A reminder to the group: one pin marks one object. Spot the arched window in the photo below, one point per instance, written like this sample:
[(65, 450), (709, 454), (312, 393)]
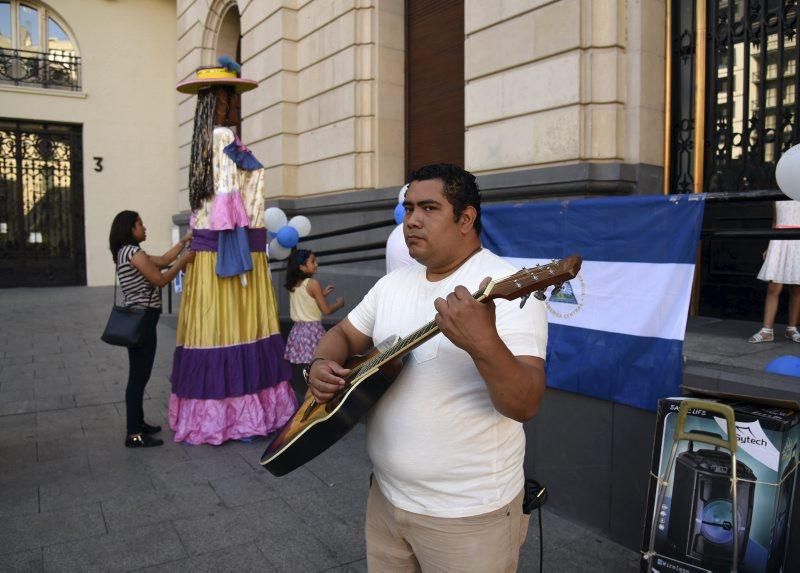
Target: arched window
[(35, 47), (229, 37)]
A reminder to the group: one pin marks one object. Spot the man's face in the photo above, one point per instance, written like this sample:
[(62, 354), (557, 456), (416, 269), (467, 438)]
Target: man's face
[(431, 232)]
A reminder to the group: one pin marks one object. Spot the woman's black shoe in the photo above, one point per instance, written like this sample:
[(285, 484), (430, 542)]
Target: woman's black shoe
[(142, 441), (148, 429)]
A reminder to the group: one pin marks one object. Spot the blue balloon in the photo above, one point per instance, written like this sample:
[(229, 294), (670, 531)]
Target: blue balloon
[(288, 236), (399, 214), (271, 235), (786, 365)]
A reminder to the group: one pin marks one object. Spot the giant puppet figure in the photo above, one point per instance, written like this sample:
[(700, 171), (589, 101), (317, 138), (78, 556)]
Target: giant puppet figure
[(229, 378)]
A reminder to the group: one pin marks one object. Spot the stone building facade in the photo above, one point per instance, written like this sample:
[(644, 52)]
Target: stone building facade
[(547, 84), (540, 99), (559, 98)]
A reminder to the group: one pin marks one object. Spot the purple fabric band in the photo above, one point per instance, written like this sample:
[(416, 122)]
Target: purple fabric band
[(205, 240), (229, 371)]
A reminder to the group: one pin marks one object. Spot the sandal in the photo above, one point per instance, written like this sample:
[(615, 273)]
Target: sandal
[(792, 334), (763, 335)]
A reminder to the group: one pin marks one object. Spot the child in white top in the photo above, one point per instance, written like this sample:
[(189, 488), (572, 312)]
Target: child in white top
[(307, 304), (781, 267)]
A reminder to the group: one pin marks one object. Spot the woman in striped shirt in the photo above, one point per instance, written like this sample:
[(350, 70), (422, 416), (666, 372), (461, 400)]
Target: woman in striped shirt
[(140, 278)]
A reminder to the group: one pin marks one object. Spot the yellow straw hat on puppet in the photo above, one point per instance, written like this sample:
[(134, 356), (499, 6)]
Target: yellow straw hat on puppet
[(226, 74)]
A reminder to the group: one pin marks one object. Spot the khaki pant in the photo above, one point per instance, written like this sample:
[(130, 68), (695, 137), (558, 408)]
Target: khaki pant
[(398, 540)]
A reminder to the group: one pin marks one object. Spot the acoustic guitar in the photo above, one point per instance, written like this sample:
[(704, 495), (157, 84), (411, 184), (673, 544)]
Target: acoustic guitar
[(316, 427)]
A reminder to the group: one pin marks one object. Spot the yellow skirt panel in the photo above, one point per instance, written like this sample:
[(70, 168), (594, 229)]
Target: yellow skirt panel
[(220, 311)]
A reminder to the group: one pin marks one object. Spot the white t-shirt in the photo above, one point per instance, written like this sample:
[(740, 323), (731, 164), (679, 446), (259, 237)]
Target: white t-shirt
[(438, 445)]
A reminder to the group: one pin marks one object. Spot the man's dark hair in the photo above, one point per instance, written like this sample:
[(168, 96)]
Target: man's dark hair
[(460, 188), (121, 233)]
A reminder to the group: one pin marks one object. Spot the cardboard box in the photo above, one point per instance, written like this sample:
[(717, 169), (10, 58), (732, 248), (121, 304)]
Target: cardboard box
[(694, 525)]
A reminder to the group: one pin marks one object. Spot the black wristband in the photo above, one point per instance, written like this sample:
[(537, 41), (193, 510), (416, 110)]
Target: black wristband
[(307, 369)]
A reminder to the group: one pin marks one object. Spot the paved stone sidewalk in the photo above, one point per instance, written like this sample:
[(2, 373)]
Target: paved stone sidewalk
[(72, 498)]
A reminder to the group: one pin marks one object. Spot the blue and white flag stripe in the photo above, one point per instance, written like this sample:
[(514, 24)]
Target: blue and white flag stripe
[(616, 331), (631, 370), (644, 229), (626, 292)]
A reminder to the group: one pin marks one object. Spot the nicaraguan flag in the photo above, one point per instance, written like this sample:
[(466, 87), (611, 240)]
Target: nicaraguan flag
[(616, 331)]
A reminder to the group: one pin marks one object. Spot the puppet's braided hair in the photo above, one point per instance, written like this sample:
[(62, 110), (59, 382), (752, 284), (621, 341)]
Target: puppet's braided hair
[(201, 164)]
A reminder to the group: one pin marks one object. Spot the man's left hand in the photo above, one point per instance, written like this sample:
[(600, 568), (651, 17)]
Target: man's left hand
[(467, 323)]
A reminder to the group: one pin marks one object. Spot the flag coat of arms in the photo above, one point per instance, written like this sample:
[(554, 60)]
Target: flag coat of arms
[(615, 331)]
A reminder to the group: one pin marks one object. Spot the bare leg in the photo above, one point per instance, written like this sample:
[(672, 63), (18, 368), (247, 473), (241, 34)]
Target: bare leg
[(771, 303), (794, 305), (766, 334), (794, 310)]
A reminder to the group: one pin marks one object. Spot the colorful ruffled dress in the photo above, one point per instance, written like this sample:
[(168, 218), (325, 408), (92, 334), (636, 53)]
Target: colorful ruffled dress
[(229, 378)]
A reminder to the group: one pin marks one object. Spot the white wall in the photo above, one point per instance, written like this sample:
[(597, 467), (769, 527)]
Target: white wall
[(127, 110)]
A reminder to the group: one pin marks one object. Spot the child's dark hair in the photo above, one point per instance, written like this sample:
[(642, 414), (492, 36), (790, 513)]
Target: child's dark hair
[(121, 233), (294, 274)]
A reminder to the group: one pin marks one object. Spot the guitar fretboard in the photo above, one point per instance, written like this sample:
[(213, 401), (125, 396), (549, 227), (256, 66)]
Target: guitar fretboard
[(523, 281), (402, 346)]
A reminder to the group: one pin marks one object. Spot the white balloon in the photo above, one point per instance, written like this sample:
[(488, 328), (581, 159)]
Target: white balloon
[(301, 223), (787, 173), (396, 250), (274, 219), (277, 252), (402, 196)]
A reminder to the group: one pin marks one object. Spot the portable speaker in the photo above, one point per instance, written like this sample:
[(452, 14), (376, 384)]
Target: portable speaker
[(701, 512)]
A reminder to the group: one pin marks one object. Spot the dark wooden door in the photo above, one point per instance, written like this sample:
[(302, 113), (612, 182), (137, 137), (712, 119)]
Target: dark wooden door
[(434, 82)]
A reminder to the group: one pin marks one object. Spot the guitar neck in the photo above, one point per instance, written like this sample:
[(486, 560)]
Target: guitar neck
[(406, 344)]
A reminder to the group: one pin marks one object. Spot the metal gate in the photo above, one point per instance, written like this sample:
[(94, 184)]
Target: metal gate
[(41, 204), (732, 111)]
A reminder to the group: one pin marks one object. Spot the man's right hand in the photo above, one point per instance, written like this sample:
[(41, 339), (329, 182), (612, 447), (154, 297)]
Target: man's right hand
[(326, 379)]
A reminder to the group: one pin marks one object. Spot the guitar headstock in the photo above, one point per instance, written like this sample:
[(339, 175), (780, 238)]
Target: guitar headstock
[(536, 279)]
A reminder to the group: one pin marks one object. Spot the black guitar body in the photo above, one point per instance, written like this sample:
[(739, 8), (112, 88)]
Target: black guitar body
[(318, 437), (315, 427)]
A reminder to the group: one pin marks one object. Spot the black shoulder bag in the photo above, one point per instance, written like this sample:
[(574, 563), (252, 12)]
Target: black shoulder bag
[(126, 325)]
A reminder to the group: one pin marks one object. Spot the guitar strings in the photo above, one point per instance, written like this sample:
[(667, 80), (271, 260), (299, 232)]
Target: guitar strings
[(422, 332), (431, 328)]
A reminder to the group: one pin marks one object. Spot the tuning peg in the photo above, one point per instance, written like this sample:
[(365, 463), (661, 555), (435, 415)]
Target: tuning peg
[(523, 300), (556, 290), (539, 295)]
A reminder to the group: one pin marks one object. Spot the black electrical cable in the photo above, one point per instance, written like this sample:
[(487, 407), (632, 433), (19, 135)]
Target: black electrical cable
[(541, 540), (535, 498)]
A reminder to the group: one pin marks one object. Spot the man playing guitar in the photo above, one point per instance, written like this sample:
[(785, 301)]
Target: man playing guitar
[(446, 439)]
